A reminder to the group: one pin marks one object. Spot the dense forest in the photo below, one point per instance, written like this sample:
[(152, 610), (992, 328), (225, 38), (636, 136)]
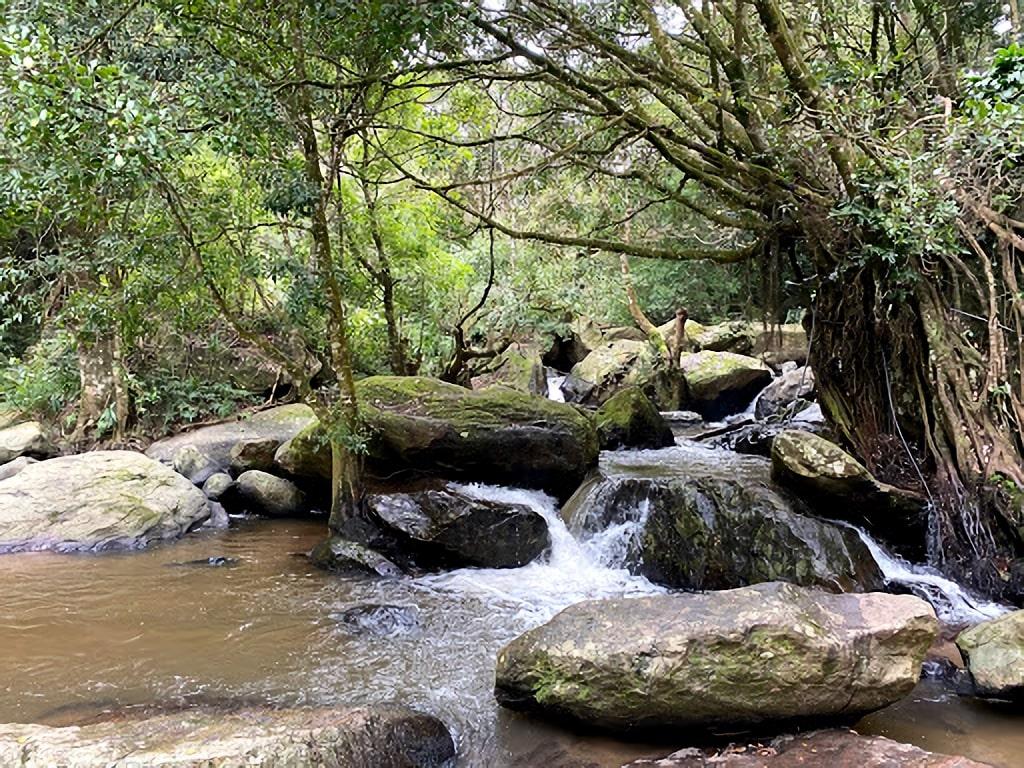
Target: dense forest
[(210, 209)]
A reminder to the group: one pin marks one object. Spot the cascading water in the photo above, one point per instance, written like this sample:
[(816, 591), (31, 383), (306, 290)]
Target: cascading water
[(555, 381)]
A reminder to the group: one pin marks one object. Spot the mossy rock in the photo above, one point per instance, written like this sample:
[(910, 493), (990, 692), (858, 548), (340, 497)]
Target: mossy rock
[(519, 368), (421, 426), (722, 383), (617, 365), (743, 658), (630, 420)]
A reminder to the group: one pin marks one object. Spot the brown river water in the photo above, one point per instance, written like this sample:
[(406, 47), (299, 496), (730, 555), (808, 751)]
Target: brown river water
[(85, 636)]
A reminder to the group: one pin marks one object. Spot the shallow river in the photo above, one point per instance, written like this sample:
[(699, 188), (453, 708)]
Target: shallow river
[(85, 635)]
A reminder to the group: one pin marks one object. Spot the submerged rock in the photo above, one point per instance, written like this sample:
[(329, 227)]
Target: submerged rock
[(836, 485), (772, 653), (630, 420), (25, 439), (723, 383), (994, 653), (421, 426), (382, 620), (96, 501), (381, 736), (266, 494), (835, 748), (446, 528), (344, 556)]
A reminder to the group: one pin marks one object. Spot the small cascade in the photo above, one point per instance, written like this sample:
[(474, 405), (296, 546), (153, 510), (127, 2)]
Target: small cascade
[(573, 570), (953, 604), (555, 381)]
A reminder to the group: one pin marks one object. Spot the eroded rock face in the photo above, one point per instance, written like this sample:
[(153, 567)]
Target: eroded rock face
[(96, 501), (722, 383), (994, 652), (835, 749), (772, 653), (630, 420), (384, 736), (445, 528), (25, 439), (836, 485), (422, 426)]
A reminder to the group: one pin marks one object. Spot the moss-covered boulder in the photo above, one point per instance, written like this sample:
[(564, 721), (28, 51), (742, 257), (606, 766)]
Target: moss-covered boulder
[(266, 494), (722, 383), (424, 427), (772, 653), (25, 439), (835, 485), (994, 653), (520, 368), (705, 527), (617, 365), (97, 501), (630, 420), (380, 736)]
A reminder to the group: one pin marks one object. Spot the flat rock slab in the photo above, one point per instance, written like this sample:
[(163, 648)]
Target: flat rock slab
[(772, 653), (97, 501), (369, 737), (216, 441), (827, 749)]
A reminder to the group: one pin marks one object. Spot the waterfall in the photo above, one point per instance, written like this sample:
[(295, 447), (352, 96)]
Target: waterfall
[(953, 604)]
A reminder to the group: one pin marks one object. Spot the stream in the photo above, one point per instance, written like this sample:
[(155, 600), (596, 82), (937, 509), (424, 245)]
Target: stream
[(240, 616)]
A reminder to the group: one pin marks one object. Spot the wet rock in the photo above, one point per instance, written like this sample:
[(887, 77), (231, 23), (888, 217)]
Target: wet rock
[(994, 654), (253, 453), (96, 501), (25, 439), (382, 620), (11, 468), (790, 392), (707, 532), (629, 420), (217, 561), (739, 659), (448, 529), (344, 556), (192, 463), (216, 441), (836, 485), (422, 426), (382, 736), (218, 519), (266, 494), (835, 748), (722, 383)]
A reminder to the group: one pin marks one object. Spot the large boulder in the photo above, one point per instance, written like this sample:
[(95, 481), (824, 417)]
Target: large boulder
[(266, 494), (789, 393), (994, 653), (382, 736), (25, 439), (216, 441), (450, 529), (834, 748), (421, 426), (519, 368), (630, 420), (254, 453), (772, 653), (773, 345), (836, 485), (616, 365), (706, 527), (96, 501), (722, 383)]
